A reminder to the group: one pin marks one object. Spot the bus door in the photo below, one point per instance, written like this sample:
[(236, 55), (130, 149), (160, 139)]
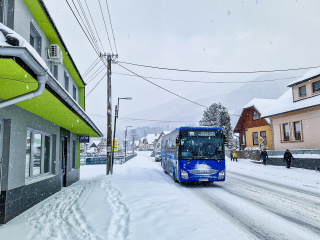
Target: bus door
[(1, 147)]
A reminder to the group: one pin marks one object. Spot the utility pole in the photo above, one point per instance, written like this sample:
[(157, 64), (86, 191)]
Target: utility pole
[(109, 118)]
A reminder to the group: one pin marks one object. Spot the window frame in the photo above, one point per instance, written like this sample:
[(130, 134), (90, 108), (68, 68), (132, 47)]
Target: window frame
[(255, 115), (66, 81), (313, 88), (74, 92), (30, 166), (255, 138), (35, 39), (7, 15), (304, 95), (295, 132), (284, 137)]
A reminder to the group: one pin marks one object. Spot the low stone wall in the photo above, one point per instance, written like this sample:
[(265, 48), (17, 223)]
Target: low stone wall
[(252, 154), (308, 159)]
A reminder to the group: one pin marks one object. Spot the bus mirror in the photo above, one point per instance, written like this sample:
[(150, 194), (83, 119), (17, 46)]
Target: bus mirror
[(178, 141)]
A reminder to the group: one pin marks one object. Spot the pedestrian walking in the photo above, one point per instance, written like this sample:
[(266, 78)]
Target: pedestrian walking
[(264, 156), (235, 156), (288, 158), (231, 154)]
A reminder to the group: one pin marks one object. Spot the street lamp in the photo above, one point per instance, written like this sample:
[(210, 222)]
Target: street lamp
[(114, 131), (125, 142)]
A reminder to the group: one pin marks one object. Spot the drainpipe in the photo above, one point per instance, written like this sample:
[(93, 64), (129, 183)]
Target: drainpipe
[(27, 58), (29, 95)]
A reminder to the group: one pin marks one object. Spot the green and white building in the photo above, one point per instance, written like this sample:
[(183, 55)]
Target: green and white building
[(42, 108)]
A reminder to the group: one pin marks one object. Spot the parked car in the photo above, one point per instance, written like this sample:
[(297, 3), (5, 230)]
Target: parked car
[(157, 157)]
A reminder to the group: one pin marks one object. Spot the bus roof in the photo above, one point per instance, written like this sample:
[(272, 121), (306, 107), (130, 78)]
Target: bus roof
[(199, 127)]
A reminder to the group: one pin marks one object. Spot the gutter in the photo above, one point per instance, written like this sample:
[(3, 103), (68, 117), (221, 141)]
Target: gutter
[(43, 77), (35, 67)]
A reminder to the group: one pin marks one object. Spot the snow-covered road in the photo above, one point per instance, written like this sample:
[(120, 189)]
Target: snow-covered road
[(141, 202)]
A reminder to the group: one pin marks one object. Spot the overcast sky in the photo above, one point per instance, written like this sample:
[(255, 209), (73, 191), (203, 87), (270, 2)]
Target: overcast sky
[(199, 35)]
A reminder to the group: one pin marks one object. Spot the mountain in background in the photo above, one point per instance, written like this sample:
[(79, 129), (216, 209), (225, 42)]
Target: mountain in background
[(190, 114)]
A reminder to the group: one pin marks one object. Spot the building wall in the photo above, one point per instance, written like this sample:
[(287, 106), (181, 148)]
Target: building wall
[(310, 122), (249, 139), (14, 166), (309, 89), (22, 20)]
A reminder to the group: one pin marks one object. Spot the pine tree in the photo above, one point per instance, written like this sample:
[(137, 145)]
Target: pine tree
[(217, 116)]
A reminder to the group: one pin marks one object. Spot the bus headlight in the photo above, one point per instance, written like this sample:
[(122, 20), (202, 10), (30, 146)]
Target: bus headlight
[(221, 174), (184, 174)]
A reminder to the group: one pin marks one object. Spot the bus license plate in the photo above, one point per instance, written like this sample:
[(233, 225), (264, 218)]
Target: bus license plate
[(203, 179)]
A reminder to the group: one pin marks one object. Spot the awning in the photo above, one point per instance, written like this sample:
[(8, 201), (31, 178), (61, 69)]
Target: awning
[(15, 81)]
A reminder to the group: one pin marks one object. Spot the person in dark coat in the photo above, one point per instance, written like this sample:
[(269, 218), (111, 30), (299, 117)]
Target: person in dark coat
[(288, 157), (231, 156), (264, 156)]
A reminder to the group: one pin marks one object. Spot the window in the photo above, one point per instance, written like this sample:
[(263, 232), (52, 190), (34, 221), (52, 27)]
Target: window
[(255, 140), (263, 134), (54, 71), (297, 130), (66, 81), (38, 153), (7, 12), (303, 91), (74, 92), (316, 86), (255, 115), (285, 128), (35, 39), (243, 139), (28, 154)]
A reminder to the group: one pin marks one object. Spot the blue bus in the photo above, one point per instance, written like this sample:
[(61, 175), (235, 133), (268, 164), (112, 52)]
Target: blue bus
[(194, 154)]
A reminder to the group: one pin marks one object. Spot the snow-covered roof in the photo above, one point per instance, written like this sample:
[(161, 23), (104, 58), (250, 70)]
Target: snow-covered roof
[(285, 104), (7, 33), (312, 73), (261, 105), (151, 138)]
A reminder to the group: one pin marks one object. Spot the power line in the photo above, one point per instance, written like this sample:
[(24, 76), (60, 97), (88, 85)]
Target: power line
[(210, 82), (96, 85), (163, 87), (115, 45), (95, 74), (92, 38), (89, 25), (82, 27), (105, 25), (94, 25), (205, 71), (89, 69)]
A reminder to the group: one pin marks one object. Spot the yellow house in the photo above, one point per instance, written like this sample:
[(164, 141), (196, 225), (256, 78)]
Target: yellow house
[(254, 131)]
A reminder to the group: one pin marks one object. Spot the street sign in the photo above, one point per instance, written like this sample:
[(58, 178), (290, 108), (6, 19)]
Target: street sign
[(84, 139), (115, 146), (261, 139)]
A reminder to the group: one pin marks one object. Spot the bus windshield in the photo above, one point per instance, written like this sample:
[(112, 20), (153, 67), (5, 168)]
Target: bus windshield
[(201, 144)]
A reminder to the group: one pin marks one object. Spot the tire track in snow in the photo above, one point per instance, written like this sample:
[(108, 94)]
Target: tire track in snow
[(119, 223), (61, 217)]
